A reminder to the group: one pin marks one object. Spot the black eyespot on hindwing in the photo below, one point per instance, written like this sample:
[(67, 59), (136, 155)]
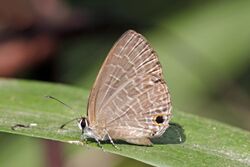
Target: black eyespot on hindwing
[(159, 119)]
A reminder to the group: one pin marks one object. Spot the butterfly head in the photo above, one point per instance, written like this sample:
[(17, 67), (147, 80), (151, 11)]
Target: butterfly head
[(87, 132), (83, 124)]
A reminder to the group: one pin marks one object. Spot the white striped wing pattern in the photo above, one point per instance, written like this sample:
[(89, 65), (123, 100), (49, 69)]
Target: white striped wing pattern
[(130, 99)]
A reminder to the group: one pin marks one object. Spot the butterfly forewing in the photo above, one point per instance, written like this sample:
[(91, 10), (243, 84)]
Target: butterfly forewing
[(130, 98), (100, 88)]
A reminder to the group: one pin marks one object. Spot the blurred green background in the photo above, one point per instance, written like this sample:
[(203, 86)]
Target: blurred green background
[(203, 47)]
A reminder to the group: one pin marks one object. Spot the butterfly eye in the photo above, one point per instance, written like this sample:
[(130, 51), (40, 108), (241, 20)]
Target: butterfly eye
[(159, 119), (83, 123)]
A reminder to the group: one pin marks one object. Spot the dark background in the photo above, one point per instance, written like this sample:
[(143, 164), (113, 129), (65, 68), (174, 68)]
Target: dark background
[(203, 48)]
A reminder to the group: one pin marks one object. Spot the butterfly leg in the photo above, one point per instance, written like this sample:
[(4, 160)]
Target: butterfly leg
[(99, 143), (84, 139), (111, 141)]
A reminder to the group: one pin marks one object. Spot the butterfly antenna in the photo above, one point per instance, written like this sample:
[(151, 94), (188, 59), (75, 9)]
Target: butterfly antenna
[(63, 125), (66, 105)]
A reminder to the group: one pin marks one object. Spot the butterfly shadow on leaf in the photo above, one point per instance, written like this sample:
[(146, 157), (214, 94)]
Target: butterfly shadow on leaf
[(173, 135)]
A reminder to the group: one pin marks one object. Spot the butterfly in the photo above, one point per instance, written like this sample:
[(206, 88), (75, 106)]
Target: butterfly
[(129, 100)]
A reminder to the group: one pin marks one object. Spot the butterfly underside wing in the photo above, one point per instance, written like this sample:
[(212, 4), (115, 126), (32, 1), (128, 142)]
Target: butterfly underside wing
[(130, 100)]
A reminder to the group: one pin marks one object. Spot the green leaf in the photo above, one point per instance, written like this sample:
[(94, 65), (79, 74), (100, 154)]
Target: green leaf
[(202, 143)]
